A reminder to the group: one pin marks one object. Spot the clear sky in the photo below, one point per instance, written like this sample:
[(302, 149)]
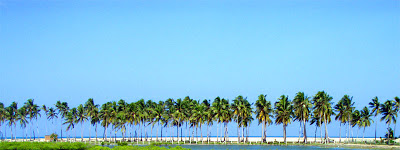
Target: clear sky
[(110, 50)]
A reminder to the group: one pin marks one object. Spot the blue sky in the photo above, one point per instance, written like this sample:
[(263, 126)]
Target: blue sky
[(111, 50)]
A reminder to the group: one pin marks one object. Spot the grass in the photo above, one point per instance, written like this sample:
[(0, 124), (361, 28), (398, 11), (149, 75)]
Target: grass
[(75, 146)]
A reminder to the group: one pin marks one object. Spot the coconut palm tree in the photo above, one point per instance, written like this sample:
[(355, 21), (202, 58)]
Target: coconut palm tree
[(322, 107), (158, 115), (208, 116), (340, 116), (63, 110), (22, 118), (217, 111), (264, 114), (375, 105), (11, 116), (198, 117), (397, 109), (283, 113), (91, 110), (2, 117), (105, 117), (366, 119), (317, 121), (33, 111), (388, 112), (142, 116), (348, 111), (94, 118), (356, 119), (302, 111), (81, 117), (70, 120), (170, 105), (178, 116), (51, 115)]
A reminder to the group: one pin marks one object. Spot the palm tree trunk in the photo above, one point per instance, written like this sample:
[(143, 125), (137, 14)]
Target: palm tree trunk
[(12, 137), (30, 135), (238, 133), (105, 132), (177, 132), (90, 129), (197, 137), (284, 133), (376, 123), (96, 131), (157, 131), (395, 124), (326, 131), (201, 134), (299, 130), (151, 133), (243, 134), (340, 132), (262, 133), (363, 134), (315, 134), (81, 131), (304, 131)]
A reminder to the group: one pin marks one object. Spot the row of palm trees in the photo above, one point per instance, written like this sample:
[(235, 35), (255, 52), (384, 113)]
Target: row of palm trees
[(192, 115)]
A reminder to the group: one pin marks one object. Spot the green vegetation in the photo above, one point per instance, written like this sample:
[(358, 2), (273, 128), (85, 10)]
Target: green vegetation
[(75, 146), (185, 117)]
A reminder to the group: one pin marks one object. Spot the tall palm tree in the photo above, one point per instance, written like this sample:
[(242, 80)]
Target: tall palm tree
[(356, 119), (63, 110), (11, 116), (70, 120), (217, 111), (94, 118), (91, 110), (322, 106), (283, 113), (388, 112), (2, 117), (208, 116), (375, 105), (158, 115), (302, 111), (33, 111), (348, 111), (51, 115), (178, 116), (397, 109), (340, 116), (81, 117), (317, 121), (198, 117), (142, 116), (45, 110), (264, 114), (22, 118), (105, 117), (366, 119)]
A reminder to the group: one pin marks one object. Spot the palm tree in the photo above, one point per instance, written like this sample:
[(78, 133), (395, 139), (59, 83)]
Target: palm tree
[(141, 115), (33, 111), (94, 118), (356, 119), (21, 117), (45, 110), (11, 116), (2, 117), (63, 110), (81, 117), (70, 120), (91, 110), (348, 111), (374, 105), (302, 111), (366, 119), (198, 117), (178, 116), (105, 117), (264, 114), (317, 121), (51, 115), (283, 113), (397, 109), (388, 112), (340, 116), (322, 107), (217, 108), (158, 115), (208, 116)]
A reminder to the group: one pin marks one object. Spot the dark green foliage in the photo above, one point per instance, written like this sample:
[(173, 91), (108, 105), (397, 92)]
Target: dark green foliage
[(54, 137)]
